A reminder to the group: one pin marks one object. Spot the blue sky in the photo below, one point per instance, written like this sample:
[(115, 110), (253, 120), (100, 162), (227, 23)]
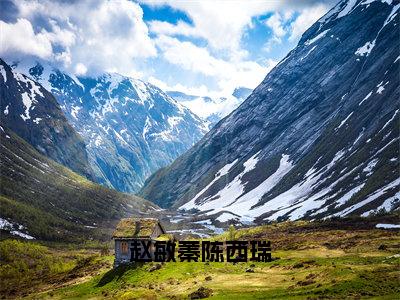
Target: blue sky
[(198, 47)]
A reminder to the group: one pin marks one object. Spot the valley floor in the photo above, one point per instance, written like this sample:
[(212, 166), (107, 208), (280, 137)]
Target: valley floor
[(328, 261)]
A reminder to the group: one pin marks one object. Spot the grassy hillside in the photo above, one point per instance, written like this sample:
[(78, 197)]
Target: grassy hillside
[(50, 202), (311, 261)]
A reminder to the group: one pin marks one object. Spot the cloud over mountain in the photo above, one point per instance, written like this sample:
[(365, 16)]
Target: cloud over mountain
[(191, 44)]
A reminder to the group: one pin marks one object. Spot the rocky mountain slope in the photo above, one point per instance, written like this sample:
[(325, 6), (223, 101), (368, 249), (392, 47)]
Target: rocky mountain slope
[(318, 137), (212, 109), (34, 114), (41, 199), (131, 128)]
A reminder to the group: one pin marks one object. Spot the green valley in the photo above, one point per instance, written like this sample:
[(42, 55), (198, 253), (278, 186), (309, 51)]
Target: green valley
[(311, 260)]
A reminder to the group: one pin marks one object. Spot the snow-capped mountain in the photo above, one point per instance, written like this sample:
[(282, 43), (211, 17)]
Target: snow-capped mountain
[(318, 137), (131, 128), (212, 109), (33, 113)]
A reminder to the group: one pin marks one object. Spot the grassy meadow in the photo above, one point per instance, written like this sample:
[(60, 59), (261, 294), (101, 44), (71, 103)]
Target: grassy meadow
[(311, 261)]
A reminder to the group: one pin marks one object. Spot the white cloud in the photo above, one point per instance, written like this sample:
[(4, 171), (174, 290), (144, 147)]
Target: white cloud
[(279, 24), (275, 22), (113, 36), (221, 23), (80, 69), (190, 57), (306, 18), (193, 90), (105, 35), (228, 74), (19, 38), (181, 28), (59, 36)]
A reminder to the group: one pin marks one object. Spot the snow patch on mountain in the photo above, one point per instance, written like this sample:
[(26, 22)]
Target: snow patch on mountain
[(344, 121), (371, 198), (392, 14), (316, 38), (387, 226), (366, 97), (28, 98), (381, 87), (37, 120), (15, 229), (224, 217), (389, 121), (223, 171), (3, 73), (346, 197), (371, 165), (225, 196), (230, 198), (308, 53), (347, 8), (366, 49)]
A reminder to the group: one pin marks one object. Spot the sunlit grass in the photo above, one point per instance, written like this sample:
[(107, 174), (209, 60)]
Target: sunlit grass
[(322, 263)]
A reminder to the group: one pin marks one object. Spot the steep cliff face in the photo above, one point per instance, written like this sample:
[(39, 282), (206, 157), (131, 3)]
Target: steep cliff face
[(131, 128), (318, 137), (33, 113)]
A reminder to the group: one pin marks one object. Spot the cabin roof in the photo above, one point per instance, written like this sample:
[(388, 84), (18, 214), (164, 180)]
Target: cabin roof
[(165, 237), (136, 228)]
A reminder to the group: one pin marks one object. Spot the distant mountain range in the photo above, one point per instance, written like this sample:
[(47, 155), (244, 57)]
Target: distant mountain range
[(129, 128), (319, 137), (212, 109)]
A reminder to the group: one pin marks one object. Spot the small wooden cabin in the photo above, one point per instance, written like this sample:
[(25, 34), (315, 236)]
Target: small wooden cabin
[(136, 229)]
